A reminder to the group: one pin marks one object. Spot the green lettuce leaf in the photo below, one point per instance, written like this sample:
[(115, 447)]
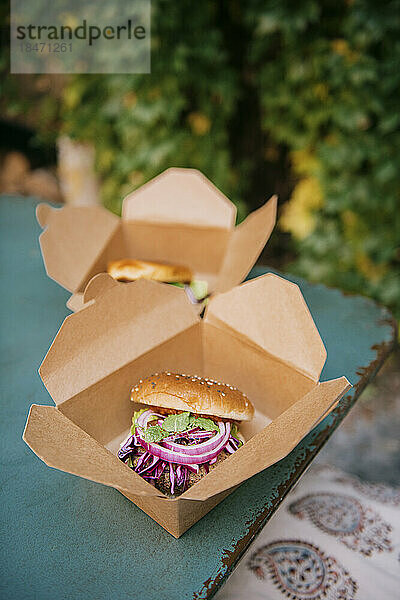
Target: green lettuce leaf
[(178, 422), (154, 434), (206, 424), (136, 414)]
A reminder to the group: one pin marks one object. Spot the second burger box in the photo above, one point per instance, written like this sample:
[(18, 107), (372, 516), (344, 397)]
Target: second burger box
[(259, 337), (179, 217)]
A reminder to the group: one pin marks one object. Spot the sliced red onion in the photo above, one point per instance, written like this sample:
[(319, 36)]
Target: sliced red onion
[(233, 443), (143, 419), (236, 442), (178, 434), (194, 434), (186, 459), (202, 448), (193, 468), (198, 449), (229, 448), (200, 437), (172, 477)]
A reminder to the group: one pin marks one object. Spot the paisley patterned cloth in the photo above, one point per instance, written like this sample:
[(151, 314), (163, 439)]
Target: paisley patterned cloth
[(356, 525), (334, 538)]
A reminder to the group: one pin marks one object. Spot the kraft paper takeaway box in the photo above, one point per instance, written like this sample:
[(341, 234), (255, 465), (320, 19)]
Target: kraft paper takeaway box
[(258, 336), (179, 217)]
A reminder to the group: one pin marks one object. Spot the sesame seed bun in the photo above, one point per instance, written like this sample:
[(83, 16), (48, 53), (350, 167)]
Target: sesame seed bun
[(202, 396), (129, 270)]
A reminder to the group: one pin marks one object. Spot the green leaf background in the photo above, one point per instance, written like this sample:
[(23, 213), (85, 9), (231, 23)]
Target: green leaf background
[(262, 96)]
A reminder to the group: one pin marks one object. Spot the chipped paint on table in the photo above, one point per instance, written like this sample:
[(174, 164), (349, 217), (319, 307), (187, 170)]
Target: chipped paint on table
[(71, 538)]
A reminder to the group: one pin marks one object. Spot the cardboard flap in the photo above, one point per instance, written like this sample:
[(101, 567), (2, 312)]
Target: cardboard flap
[(270, 312), (61, 444), (72, 240), (125, 321), (98, 285), (43, 212), (272, 443), (182, 196), (75, 302), (246, 244)]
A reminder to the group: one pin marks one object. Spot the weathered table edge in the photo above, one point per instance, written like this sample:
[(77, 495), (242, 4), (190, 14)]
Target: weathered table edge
[(212, 585)]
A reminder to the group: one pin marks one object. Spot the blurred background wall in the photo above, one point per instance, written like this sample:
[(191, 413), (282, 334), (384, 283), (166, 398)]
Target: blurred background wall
[(298, 98)]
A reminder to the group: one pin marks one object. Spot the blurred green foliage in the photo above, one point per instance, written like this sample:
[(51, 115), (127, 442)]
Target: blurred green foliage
[(179, 115), (330, 82), (236, 90)]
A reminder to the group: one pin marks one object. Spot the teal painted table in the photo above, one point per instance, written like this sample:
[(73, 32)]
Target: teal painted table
[(65, 537)]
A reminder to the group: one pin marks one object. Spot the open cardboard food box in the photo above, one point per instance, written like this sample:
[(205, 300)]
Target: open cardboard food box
[(179, 217), (259, 337)]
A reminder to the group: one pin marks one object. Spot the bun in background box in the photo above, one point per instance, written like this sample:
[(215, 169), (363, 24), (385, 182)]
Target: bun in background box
[(179, 217)]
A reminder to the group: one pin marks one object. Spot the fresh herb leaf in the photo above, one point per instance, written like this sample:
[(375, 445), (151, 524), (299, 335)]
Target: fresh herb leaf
[(178, 422), (206, 424), (154, 434)]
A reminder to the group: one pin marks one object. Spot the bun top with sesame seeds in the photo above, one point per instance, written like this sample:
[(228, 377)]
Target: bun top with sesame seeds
[(199, 395)]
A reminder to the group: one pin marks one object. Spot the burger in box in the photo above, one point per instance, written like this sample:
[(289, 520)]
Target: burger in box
[(192, 424), (177, 228), (101, 369)]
